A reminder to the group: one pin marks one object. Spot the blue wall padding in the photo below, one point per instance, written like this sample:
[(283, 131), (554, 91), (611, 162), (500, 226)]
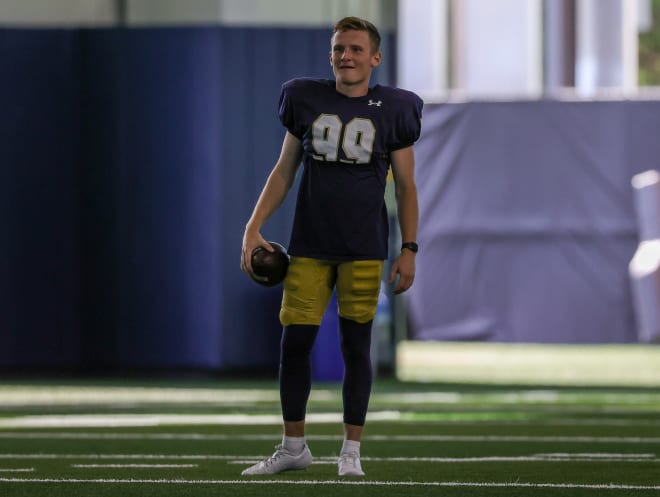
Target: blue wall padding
[(40, 198), (528, 219), (165, 216), (131, 161)]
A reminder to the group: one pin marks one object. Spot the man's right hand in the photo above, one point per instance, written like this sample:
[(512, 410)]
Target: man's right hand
[(251, 240)]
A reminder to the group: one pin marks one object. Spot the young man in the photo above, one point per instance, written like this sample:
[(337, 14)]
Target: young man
[(347, 135)]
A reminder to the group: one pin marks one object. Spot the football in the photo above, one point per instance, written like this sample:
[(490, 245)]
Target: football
[(269, 268)]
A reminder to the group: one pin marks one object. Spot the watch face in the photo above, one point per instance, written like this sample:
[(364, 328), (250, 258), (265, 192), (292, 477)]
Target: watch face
[(410, 246)]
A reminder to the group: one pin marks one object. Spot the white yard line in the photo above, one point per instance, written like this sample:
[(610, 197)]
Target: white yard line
[(146, 457), (597, 455), (485, 459), (362, 483), (369, 438), (16, 470), (249, 459), (160, 419), (114, 466), (31, 395), (115, 420)]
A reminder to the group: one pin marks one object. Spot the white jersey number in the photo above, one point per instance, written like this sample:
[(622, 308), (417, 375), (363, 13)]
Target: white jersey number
[(357, 143)]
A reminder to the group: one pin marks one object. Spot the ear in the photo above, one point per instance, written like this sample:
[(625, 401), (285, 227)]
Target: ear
[(376, 59)]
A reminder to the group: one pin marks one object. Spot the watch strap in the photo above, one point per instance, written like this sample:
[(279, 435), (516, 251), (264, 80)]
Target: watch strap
[(412, 246)]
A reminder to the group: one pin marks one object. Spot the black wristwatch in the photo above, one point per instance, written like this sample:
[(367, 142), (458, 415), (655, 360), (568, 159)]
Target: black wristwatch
[(412, 246)]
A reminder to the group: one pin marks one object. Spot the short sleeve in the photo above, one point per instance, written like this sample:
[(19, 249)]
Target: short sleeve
[(287, 110), (408, 122)]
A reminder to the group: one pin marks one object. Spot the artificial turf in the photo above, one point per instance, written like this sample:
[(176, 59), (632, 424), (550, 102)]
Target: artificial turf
[(93, 438)]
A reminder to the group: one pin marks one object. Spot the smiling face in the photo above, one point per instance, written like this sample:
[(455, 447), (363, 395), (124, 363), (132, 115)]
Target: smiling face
[(353, 57)]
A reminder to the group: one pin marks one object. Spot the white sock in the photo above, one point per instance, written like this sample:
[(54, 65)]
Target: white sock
[(350, 446), (295, 445)]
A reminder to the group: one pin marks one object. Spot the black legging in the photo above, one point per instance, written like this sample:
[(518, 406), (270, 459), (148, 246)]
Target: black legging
[(296, 374)]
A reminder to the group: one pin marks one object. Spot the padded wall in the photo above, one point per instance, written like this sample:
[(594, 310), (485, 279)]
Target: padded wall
[(39, 198), (132, 163), (528, 221)]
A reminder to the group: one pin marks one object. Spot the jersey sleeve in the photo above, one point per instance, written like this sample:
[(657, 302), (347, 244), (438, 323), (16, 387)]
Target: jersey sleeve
[(408, 122), (287, 110)]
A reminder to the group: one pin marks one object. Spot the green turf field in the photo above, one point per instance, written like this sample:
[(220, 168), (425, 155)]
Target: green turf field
[(156, 438)]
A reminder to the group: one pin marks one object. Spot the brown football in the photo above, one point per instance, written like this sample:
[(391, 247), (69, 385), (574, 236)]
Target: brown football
[(269, 268)]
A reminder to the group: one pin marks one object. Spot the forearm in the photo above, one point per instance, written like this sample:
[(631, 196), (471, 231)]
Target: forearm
[(403, 166), (275, 191), (408, 212)]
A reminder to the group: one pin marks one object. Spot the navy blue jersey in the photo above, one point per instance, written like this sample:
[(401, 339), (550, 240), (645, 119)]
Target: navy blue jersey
[(340, 210)]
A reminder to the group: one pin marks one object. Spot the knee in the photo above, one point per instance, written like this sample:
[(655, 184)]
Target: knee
[(297, 342), (355, 340)]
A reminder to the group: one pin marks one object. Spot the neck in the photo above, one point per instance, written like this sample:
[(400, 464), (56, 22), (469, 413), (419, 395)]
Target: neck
[(357, 90)]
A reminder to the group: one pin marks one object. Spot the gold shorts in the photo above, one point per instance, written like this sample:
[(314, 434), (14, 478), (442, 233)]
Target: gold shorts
[(309, 284)]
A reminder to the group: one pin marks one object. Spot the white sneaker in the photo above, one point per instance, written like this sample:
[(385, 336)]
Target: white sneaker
[(349, 464), (281, 460)]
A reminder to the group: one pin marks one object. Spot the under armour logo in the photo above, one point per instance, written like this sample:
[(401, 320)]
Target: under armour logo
[(377, 104)]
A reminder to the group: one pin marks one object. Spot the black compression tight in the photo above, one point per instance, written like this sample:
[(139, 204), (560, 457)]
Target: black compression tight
[(356, 349), (295, 369), (296, 374)]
